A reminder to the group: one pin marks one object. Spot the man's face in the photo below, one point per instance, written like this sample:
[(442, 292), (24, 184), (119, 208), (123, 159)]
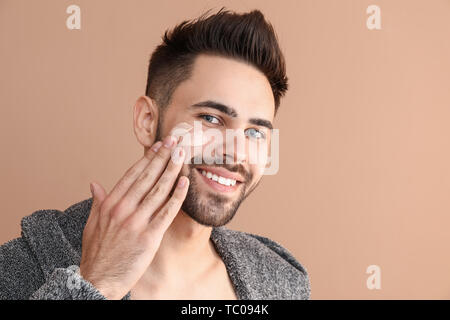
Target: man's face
[(239, 98)]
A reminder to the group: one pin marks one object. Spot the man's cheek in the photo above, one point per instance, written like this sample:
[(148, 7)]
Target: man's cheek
[(192, 141), (185, 170)]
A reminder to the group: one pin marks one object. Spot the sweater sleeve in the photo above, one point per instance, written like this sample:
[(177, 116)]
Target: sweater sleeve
[(66, 284), (21, 277)]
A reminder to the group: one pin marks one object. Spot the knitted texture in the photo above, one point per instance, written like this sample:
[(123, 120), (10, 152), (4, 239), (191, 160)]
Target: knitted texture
[(42, 263)]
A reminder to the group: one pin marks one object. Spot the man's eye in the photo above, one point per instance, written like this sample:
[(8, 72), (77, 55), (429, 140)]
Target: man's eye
[(210, 118), (253, 133)]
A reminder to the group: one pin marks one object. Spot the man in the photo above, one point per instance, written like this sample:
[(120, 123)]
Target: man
[(160, 233)]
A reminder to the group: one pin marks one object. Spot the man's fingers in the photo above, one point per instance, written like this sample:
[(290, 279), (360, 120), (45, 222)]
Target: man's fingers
[(161, 220), (160, 191), (99, 193), (130, 177), (149, 176), (98, 196)]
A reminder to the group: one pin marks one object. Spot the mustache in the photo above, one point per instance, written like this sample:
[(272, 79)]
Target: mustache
[(237, 168)]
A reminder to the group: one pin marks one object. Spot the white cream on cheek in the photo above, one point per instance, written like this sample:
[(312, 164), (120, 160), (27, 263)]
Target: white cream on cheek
[(191, 141)]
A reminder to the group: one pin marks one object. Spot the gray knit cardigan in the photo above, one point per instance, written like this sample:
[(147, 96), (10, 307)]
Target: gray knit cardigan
[(40, 263)]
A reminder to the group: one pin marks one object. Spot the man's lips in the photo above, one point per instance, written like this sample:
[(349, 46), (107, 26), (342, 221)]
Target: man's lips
[(222, 172), (216, 185)]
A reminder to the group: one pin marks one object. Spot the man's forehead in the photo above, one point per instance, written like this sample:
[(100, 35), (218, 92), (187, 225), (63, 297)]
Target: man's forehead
[(229, 82)]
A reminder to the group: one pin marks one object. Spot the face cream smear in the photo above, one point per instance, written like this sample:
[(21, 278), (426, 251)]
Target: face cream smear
[(190, 138)]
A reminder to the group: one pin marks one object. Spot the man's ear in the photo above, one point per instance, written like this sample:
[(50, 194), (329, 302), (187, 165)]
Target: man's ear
[(145, 117)]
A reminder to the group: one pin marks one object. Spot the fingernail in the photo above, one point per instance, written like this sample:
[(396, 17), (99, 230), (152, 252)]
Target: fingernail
[(177, 156), (169, 141), (156, 146), (181, 182)]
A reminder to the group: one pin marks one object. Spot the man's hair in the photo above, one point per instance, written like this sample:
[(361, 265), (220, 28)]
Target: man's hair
[(246, 37)]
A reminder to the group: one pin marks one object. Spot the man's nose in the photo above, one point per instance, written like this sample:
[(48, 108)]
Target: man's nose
[(235, 148)]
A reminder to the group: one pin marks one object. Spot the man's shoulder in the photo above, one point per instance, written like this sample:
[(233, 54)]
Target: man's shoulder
[(70, 221), (263, 246), (26, 261), (265, 263), (78, 211), (19, 270)]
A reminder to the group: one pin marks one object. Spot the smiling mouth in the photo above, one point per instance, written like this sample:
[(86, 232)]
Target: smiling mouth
[(218, 183)]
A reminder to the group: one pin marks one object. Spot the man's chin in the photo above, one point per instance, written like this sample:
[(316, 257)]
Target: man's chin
[(208, 214), (209, 208)]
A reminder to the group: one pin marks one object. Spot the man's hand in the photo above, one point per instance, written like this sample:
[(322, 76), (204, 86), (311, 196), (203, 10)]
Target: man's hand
[(125, 228)]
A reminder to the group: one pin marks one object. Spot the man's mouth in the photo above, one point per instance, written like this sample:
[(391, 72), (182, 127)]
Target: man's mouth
[(217, 181)]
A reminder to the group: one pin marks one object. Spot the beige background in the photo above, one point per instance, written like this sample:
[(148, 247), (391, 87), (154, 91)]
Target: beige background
[(364, 176)]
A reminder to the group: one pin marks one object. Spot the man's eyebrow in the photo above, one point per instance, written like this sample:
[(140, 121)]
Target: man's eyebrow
[(232, 112), (218, 106), (261, 122)]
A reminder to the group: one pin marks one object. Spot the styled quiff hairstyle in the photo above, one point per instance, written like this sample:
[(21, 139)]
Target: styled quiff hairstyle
[(247, 37)]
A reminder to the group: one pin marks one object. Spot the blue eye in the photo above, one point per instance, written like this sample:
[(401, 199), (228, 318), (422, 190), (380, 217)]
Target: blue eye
[(210, 118), (256, 133)]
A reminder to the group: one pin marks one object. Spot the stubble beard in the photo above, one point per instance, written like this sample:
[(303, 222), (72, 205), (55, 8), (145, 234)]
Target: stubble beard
[(209, 209)]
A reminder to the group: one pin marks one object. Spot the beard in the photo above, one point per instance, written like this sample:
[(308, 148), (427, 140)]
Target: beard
[(209, 208)]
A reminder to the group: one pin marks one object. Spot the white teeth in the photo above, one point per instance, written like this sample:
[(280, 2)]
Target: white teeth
[(218, 179)]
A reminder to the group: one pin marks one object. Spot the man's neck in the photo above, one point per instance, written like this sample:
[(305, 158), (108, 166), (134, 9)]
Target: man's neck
[(185, 251)]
